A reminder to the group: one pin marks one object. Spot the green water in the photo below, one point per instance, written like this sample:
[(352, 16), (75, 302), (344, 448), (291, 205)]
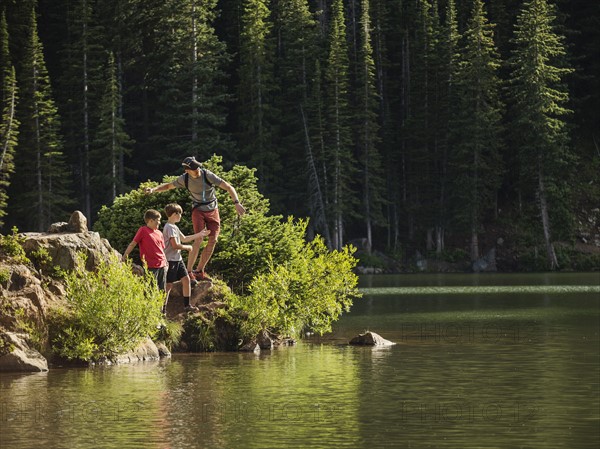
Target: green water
[(516, 366)]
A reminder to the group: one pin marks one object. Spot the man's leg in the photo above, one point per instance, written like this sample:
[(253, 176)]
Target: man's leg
[(212, 221), (199, 224), (207, 252)]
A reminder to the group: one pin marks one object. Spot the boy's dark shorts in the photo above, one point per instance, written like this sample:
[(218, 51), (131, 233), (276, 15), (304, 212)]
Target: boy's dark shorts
[(161, 276), (176, 271)]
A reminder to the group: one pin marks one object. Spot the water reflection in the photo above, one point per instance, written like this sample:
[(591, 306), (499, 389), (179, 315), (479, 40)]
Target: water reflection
[(467, 371)]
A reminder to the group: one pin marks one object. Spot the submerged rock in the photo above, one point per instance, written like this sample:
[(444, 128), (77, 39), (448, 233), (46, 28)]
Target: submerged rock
[(370, 339)]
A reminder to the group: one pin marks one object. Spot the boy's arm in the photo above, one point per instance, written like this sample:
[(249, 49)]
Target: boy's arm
[(179, 246), (128, 250), (189, 238)]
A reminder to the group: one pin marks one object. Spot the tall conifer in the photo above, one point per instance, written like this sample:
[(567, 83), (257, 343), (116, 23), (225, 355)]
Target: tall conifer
[(192, 99), (296, 32), (342, 167), (9, 125), (476, 127), (111, 142), (538, 99), (367, 136), (43, 194), (256, 88)]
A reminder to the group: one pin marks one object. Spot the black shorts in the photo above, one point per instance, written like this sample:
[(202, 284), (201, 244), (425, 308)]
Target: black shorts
[(161, 276), (176, 271)]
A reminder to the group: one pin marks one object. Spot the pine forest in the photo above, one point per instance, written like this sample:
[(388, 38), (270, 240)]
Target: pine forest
[(407, 125)]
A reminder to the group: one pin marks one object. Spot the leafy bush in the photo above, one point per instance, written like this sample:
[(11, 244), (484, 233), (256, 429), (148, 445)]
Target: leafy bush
[(42, 260), (119, 222), (371, 260), (281, 282), (454, 255), (170, 333), (245, 245), (4, 275), (200, 333), (109, 311), (11, 246), (308, 292)]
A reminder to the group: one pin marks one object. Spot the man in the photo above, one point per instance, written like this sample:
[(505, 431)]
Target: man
[(201, 183)]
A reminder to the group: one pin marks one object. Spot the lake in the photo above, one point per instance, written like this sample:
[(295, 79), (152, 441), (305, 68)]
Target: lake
[(480, 361)]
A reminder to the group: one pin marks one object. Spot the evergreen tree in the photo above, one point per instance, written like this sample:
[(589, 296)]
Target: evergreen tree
[(418, 125), (367, 138), (42, 195), (111, 142), (79, 91), (192, 98), (342, 166), (256, 89), (445, 71), (475, 149), (9, 125), (296, 32), (538, 99), (318, 191)]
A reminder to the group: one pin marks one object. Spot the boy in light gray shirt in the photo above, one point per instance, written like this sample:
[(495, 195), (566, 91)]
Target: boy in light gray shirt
[(174, 238)]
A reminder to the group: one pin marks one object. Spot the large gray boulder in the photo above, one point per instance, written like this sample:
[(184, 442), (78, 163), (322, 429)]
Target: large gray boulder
[(17, 356), (146, 350), (63, 248)]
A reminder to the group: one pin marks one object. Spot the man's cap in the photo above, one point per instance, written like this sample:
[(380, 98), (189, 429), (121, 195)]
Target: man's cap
[(191, 163)]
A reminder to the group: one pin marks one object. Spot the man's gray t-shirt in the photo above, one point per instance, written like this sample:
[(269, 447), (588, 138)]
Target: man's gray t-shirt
[(202, 192), (171, 230)]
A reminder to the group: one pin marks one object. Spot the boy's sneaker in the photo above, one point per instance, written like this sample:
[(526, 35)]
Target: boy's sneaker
[(191, 309), (201, 276)]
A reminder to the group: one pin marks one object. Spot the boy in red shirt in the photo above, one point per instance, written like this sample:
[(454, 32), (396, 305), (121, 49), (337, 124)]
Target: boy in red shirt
[(152, 247)]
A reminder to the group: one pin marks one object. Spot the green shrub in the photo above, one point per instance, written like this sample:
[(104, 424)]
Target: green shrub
[(43, 262), (533, 259), (4, 275), (199, 333), (371, 260), (11, 246), (587, 262), (170, 333), (281, 283), (245, 245), (308, 292), (109, 311), (454, 255), (119, 222)]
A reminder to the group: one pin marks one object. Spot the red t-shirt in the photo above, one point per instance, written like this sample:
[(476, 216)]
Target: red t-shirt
[(152, 247)]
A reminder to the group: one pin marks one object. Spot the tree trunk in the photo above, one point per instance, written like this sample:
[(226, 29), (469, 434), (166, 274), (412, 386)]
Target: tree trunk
[(87, 207), (316, 196), (474, 244), (551, 255), (429, 243), (9, 125), (439, 239), (194, 76)]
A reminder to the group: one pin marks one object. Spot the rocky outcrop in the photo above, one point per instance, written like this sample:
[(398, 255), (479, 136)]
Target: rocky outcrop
[(147, 350), (16, 355), (77, 223), (29, 292), (63, 248), (200, 295), (370, 339)]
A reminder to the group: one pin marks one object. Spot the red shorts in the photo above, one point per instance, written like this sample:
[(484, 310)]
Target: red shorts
[(207, 219)]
